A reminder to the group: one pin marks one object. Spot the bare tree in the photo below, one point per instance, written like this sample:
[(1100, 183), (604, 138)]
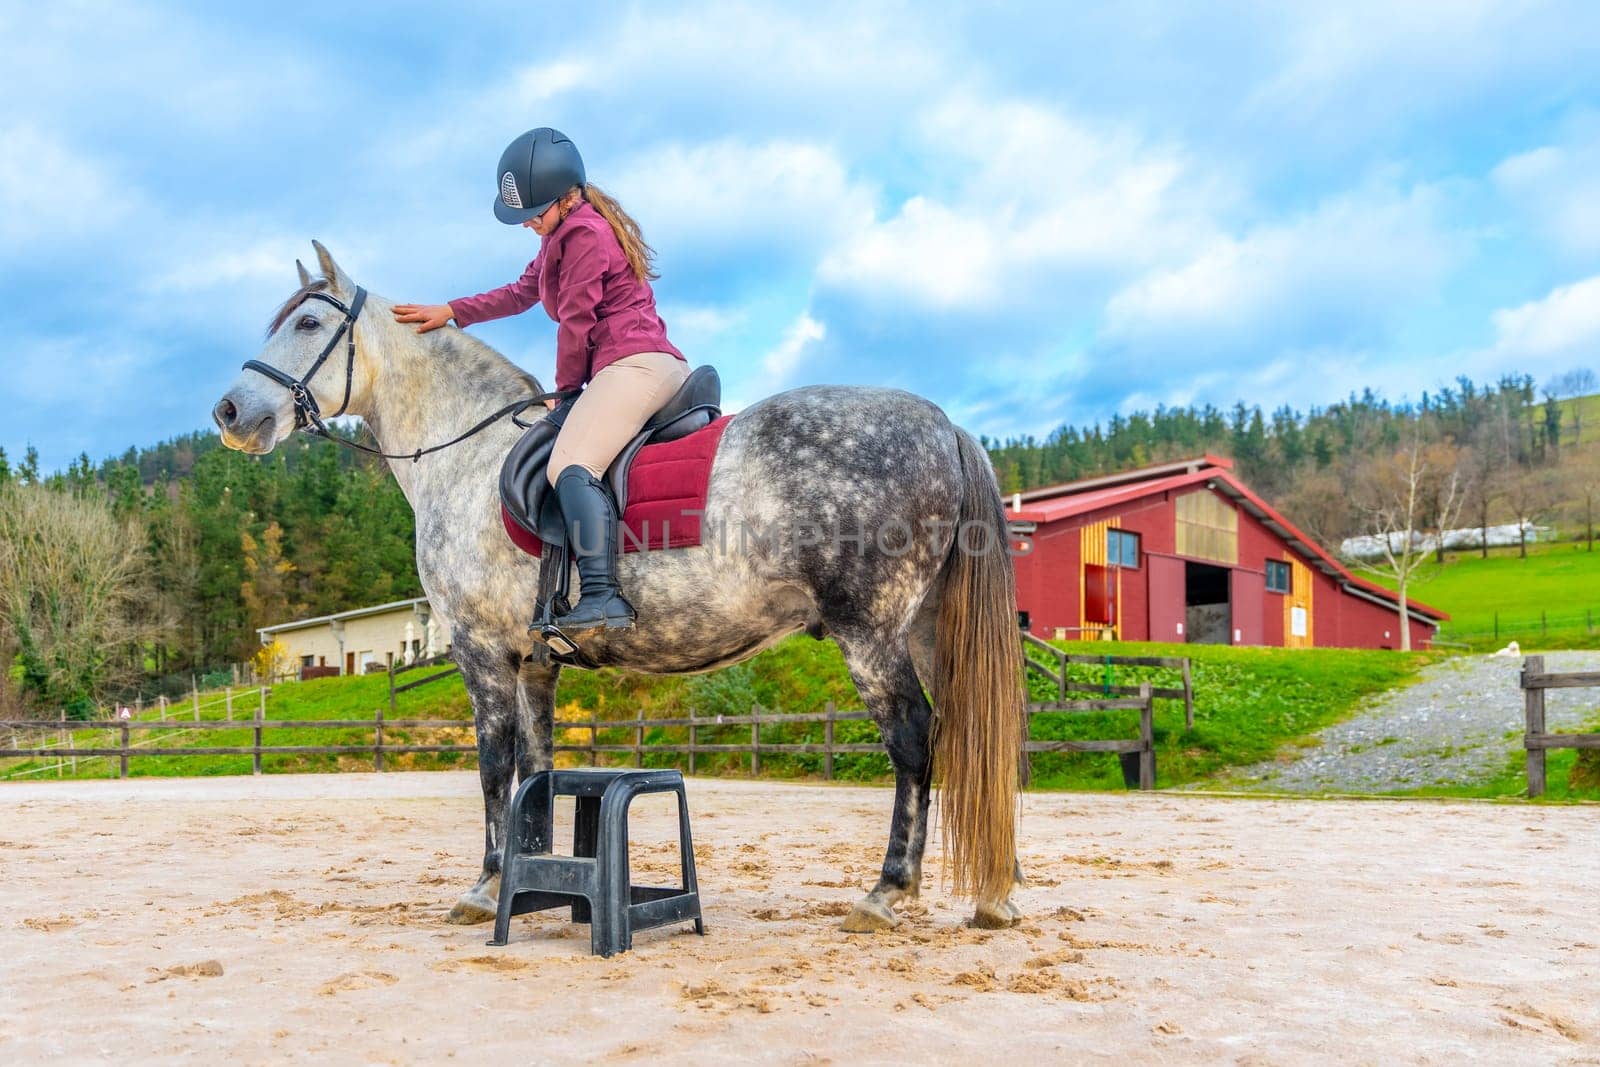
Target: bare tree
[(1582, 477), (1530, 494), (1574, 385), (74, 594), (1482, 491), (1415, 492), (1319, 503)]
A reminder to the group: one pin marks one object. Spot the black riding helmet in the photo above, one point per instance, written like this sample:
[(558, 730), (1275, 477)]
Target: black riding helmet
[(535, 170)]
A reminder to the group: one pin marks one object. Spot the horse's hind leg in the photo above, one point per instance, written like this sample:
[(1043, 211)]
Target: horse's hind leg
[(888, 685)]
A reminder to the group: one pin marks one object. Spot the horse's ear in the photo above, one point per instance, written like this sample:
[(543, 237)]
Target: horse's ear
[(330, 270), (305, 275)]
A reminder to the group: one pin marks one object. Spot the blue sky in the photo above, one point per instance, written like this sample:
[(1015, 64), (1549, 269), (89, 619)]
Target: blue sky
[(1030, 213)]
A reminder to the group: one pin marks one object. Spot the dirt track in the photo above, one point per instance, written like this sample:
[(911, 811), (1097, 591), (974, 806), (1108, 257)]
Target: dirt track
[(1161, 928)]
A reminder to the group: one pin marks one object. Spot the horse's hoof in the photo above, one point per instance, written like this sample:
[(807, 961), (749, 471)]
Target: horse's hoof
[(868, 917), (996, 916), (477, 905)]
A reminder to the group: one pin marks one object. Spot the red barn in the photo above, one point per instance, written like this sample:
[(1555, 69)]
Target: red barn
[(1185, 552)]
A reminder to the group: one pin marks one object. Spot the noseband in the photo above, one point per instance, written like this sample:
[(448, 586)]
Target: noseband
[(305, 405), (308, 417)]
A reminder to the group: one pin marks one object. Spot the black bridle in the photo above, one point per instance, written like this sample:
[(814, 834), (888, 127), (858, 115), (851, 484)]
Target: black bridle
[(308, 416)]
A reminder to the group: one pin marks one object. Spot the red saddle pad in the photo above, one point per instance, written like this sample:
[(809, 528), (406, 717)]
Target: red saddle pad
[(665, 481)]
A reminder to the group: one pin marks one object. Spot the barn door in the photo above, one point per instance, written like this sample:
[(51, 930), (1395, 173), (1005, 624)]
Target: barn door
[(1099, 596), (1249, 594), (1166, 586)]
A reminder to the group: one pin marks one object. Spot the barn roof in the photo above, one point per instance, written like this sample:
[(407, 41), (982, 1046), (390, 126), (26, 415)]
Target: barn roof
[(342, 616), (1072, 499)]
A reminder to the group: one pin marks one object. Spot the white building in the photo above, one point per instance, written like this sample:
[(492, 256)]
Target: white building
[(354, 642)]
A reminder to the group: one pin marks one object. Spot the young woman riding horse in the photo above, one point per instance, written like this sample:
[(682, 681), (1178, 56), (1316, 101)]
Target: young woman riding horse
[(593, 275)]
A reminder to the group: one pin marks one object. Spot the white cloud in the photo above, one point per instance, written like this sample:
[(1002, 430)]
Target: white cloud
[(724, 196), (783, 359), (51, 190), (1349, 267), (776, 366), (266, 263), (1348, 74), (1021, 200), (1564, 324), (1557, 188), (697, 325)]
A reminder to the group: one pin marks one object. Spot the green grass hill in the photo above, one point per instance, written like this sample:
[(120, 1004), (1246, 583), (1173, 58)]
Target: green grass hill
[(1549, 600), (1250, 703)]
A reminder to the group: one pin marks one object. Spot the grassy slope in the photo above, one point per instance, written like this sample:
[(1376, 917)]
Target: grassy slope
[(1560, 580), (1250, 702)]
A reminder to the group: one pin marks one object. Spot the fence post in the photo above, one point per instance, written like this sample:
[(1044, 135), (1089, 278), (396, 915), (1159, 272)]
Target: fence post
[(1147, 737), (755, 740), (694, 741), (377, 742), (638, 738), (122, 768), (1533, 708), (827, 738), (194, 682), (1188, 697), (228, 696), (261, 713), (163, 699), (594, 756), (391, 683)]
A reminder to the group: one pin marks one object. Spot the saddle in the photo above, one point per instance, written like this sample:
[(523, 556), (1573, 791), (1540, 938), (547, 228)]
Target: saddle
[(525, 488), (530, 501)]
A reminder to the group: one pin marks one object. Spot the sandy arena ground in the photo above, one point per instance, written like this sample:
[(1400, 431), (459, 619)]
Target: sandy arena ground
[(297, 917)]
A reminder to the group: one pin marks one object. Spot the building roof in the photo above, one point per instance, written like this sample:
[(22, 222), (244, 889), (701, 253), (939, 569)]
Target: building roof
[(1071, 499), (380, 609)]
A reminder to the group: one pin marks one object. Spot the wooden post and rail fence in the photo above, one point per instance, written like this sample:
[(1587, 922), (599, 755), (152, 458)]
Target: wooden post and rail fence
[(1536, 739), (1140, 698)]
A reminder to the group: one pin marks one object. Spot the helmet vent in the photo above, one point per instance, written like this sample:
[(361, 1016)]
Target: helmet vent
[(508, 191)]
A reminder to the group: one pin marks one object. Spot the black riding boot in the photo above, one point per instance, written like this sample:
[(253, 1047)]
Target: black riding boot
[(591, 521)]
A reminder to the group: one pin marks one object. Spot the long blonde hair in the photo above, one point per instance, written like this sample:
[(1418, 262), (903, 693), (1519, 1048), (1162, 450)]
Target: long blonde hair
[(641, 257)]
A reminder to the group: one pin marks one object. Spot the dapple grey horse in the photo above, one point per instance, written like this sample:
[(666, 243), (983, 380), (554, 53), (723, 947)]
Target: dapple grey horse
[(857, 513)]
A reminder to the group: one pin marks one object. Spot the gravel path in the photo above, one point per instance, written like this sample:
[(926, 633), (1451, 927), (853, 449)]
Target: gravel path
[(1457, 724)]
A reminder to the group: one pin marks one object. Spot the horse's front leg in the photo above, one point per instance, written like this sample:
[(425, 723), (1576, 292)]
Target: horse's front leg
[(490, 675), (536, 713)]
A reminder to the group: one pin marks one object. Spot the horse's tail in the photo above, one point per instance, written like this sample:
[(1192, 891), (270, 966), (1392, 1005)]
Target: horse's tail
[(977, 689)]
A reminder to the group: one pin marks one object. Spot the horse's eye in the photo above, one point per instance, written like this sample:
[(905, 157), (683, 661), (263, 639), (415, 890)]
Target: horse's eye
[(307, 323)]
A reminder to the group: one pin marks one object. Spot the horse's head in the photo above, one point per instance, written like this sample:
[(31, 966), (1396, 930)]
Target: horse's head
[(258, 410)]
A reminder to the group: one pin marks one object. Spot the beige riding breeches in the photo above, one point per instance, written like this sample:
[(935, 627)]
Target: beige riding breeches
[(618, 400)]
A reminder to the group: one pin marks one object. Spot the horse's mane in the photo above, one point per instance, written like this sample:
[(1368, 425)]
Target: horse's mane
[(471, 358)]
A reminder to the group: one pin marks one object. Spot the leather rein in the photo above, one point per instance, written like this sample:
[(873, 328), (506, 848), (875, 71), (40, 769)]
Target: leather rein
[(308, 416)]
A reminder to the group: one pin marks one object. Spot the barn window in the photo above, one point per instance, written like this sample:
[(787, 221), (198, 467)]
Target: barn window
[(1122, 548), (306, 661), (1279, 577)]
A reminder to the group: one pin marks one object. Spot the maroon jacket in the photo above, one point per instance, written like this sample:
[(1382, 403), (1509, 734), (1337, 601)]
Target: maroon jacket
[(602, 310)]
